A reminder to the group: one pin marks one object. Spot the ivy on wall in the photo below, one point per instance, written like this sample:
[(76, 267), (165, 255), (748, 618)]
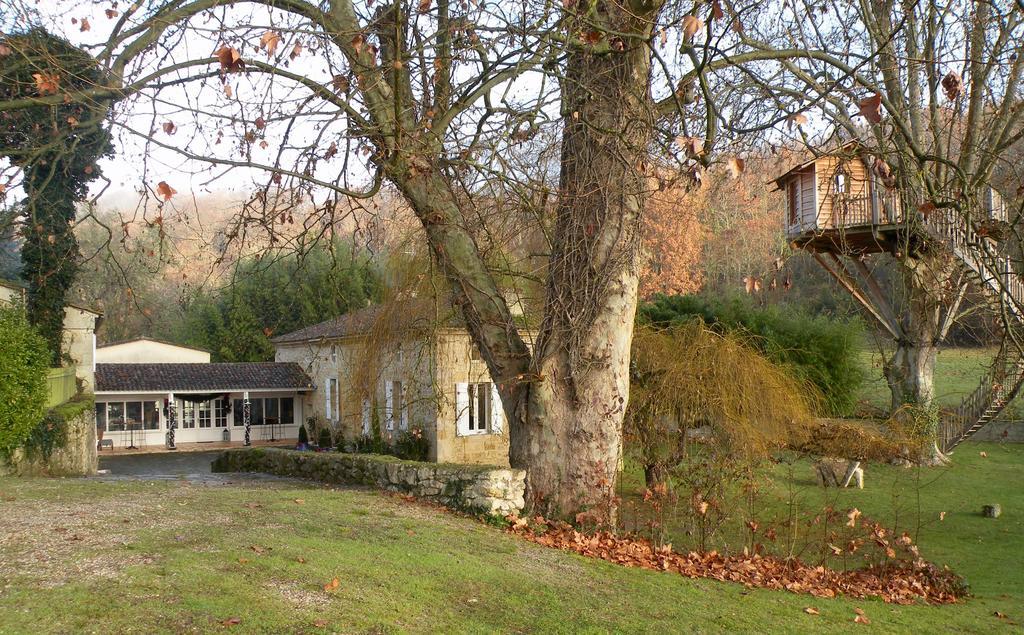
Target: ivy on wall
[(56, 146)]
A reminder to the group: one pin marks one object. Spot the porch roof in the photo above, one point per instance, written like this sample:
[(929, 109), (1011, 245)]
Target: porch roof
[(201, 377)]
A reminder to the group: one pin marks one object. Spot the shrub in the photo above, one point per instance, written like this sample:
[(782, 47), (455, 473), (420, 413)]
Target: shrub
[(412, 445), (303, 435), (370, 444), (817, 349), (23, 364), (324, 439)]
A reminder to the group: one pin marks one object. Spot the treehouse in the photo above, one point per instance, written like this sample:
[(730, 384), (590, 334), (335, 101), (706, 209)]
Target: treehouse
[(839, 209), (836, 203)]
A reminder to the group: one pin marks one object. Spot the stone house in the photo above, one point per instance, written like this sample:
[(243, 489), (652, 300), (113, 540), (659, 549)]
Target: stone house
[(399, 367)]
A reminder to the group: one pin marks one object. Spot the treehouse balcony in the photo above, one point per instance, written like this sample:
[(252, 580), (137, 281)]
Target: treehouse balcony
[(836, 204)]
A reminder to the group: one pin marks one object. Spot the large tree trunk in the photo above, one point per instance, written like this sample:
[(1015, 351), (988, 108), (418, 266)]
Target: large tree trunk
[(910, 370), (570, 432)]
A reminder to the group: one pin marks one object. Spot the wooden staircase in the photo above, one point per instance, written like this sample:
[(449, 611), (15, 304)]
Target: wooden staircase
[(990, 270)]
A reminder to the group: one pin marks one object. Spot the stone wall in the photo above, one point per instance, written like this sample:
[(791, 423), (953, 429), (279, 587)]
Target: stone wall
[(475, 488), (78, 455)]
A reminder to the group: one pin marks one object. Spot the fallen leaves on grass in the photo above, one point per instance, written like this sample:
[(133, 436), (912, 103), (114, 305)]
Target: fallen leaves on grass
[(810, 610), (896, 582), (332, 585), (231, 621)]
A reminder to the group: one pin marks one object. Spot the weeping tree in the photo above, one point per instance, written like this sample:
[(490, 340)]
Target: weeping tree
[(55, 146), (686, 377)]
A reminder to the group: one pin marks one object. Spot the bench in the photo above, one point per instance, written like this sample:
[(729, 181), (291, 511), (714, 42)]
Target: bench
[(105, 443)]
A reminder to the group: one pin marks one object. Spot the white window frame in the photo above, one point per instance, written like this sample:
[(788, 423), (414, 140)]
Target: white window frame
[(469, 421)]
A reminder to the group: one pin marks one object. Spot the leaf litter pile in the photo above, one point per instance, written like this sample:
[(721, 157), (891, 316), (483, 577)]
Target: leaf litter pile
[(895, 583)]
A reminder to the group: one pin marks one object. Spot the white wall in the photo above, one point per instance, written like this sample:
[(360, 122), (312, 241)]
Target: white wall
[(143, 351)]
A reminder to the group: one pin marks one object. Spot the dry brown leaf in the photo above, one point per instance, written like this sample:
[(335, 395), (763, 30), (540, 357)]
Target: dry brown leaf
[(810, 610), (942, 515), (85, 26), (46, 83), (952, 85), (111, 13), (230, 59), (716, 10), (320, 623), (424, 6), (332, 585), (231, 621), (871, 108), (983, 454), (169, 127), (691, 24), (852, 515), (269, 42), (5, 50), (164, 190), (296, 51)]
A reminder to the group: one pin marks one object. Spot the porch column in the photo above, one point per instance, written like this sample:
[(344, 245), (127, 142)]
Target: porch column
[(246, 417), (172, 417)]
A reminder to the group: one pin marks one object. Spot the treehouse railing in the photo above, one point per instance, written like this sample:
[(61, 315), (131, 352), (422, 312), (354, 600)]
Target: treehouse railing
[(865, 210), (991, 270)]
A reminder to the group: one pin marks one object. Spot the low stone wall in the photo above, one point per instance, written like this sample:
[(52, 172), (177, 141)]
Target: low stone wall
[(77, 457), (475, 488)]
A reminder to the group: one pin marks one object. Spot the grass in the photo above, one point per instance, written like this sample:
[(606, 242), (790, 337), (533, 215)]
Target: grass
[(957, 372), (178, 557)]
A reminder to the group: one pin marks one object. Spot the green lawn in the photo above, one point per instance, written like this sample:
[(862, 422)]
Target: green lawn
[(113, 557), (957, 372)]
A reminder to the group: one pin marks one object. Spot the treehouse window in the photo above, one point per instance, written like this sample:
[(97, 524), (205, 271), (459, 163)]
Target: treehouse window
[(841, 181), (794, 201)]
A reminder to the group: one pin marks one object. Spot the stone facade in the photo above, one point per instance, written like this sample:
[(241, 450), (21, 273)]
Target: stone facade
[(422, 372), (475, 488)]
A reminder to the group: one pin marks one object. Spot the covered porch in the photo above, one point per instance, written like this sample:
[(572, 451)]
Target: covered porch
[(169, 406)]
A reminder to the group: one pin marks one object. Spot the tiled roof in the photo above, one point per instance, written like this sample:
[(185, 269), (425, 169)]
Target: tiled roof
[(200, 377)]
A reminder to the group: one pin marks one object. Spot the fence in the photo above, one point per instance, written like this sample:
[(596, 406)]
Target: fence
[(61, 385)]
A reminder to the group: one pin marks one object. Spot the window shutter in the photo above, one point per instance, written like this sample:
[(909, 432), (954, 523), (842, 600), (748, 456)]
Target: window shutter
[(389, 414), (462, 409), (366, 417), (404, 415), (497, 411), (327, 399)]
